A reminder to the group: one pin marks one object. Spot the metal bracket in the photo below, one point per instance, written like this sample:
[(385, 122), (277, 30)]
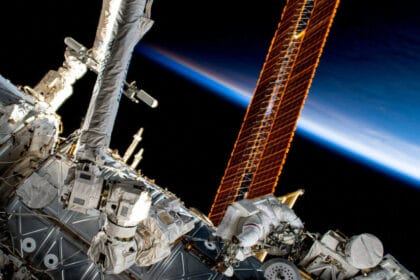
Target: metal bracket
[(85, 56)]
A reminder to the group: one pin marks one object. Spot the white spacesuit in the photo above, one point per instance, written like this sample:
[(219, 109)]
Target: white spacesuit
[(249, 222)]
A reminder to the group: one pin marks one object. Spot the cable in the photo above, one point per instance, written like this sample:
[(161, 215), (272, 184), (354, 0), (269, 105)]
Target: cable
[(48, 217), (15, 161), (7, 183)]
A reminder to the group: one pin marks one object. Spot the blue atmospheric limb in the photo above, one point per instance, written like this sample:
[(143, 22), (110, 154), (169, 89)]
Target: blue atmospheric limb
[(379, 157), (198, 76), (361, 145)]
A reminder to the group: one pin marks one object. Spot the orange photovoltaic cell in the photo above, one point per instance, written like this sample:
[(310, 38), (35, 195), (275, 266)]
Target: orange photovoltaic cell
[(270, 121)]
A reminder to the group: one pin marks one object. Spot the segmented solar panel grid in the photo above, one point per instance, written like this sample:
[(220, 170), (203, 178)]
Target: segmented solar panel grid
[(280, 137), (267, 130)]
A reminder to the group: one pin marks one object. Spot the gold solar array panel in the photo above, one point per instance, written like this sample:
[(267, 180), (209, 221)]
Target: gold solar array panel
[(270, 121)]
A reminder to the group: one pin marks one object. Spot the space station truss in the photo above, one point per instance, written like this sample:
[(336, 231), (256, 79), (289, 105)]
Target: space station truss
[(260, 150)]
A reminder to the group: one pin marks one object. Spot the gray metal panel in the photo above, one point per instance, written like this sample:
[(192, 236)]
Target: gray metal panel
[(69, 235), (57, 252), (9, 94), (191, 264), (180, 265), (86, 226)]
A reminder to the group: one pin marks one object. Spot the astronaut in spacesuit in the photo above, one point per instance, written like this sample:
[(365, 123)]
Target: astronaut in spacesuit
[(249, 224)]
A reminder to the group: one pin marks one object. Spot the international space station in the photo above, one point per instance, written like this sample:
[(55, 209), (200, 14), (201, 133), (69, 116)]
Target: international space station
[(71, 208)]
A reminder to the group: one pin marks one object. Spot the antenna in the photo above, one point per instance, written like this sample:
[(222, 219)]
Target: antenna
[(270, 121), (136, 140)]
